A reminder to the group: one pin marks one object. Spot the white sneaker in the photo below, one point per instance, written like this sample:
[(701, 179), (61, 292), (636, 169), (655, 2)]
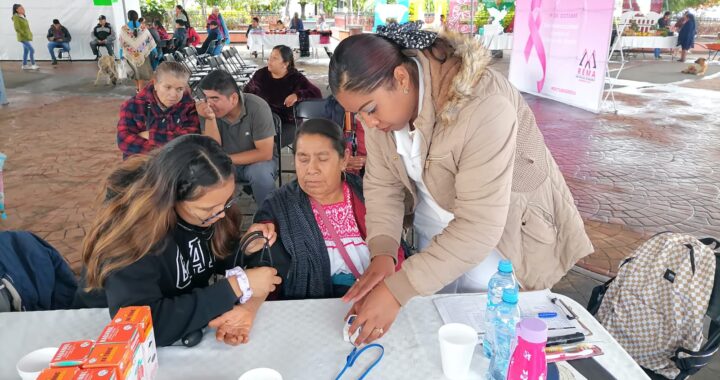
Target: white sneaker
[(34, 67), (25, 67)]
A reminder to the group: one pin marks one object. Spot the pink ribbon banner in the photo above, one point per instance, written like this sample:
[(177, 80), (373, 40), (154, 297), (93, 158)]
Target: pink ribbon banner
[(561, 48)]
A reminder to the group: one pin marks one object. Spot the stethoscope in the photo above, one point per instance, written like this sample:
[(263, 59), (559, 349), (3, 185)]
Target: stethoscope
[(245, 243), (355, 353)]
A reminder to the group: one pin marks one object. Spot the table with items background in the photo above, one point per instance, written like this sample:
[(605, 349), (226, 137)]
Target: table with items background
[(300, 339)]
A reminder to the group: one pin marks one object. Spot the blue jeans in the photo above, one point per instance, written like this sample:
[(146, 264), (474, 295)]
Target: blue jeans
[(53, 45), (657, 53), (218, 49), (28, 50), (261, 176), (3, 93)]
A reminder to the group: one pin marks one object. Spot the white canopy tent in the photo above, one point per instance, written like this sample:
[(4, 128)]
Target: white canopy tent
[(78, 16)]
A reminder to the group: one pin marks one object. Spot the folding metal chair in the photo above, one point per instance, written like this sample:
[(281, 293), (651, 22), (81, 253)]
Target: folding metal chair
[(308, 109)]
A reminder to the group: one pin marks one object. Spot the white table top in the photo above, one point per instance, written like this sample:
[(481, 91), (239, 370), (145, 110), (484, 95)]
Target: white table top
[(649, 42), (300, 339), (497, 41), (267, 41)]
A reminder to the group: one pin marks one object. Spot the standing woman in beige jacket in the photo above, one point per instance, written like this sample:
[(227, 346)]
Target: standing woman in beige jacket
[(454, 145)]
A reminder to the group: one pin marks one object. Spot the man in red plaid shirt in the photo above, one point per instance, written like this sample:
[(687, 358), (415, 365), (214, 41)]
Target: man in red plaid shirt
[(160, 112)]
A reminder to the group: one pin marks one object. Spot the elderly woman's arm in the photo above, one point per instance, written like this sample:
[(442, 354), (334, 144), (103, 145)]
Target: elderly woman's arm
[(305, 90)]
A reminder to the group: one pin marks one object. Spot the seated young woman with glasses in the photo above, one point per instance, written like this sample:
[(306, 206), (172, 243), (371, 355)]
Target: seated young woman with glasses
[(167, 225)]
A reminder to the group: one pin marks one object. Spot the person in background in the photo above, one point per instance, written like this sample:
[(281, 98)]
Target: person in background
[(282, 85), (321, 24), (451, 142), (24, 36), (279, 26), (181, 14), (151, 28), (686, 36), (180, 36), (59, 37), (167, 225), (300, 210), (193, 38), (663, 23), (443, 22), (3, 91), (213, 35), (354, 135), (243, 125), (217, 17), (154, 55), (160, 29), (159, 113), (254, 27), (137, 44), (296, 23), (102, 35)]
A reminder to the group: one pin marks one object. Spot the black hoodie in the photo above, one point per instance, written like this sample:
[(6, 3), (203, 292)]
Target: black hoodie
[(174, 280)]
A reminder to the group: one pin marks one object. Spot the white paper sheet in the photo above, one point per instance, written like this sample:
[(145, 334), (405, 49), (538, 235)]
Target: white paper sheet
[(470, 310)]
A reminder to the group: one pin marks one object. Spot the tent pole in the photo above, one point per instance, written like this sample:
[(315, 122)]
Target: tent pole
[(124, 13)]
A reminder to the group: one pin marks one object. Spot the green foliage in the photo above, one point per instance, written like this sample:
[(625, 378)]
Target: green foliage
[(681, 5), (481, 16), (156, 9), (325, 5)]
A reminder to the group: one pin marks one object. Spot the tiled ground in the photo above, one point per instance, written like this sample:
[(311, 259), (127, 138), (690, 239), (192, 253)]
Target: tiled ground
[(649, 168)]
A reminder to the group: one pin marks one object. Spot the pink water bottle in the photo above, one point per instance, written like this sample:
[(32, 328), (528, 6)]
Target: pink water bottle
[(528, 360)]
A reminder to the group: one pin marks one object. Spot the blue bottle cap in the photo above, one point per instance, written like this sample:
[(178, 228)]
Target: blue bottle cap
[(505, 266), (510, 295)]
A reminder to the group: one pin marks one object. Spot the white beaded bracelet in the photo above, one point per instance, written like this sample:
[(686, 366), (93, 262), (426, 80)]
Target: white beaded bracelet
[(243, 283)]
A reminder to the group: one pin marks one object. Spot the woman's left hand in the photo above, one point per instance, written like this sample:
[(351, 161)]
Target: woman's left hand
[(234, 326), (381, 266), (291, 100), (375, 315)]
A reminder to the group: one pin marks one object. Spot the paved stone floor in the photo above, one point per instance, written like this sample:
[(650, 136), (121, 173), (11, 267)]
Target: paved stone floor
[(649, 168)]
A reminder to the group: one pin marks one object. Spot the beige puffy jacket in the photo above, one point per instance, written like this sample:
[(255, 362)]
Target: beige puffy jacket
[(485, 161)]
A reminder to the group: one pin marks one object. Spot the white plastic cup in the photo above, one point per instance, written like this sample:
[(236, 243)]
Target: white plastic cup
[(457, 344), (261, 374), (30, 365)]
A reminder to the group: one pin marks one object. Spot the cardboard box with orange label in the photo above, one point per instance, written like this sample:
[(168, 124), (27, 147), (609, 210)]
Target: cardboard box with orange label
[(142, 318), (116, 356), (61, 373), (96, 374), (72, 354)]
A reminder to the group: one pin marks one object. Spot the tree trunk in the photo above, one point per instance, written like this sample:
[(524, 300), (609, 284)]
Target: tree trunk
[(302, 11), (287, 8)]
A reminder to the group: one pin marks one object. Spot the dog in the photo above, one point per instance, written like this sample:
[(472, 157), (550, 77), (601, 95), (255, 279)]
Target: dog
[(697, 68), (107, 68)]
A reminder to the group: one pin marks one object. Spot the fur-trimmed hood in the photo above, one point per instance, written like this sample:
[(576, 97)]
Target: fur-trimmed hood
[(456, 68)]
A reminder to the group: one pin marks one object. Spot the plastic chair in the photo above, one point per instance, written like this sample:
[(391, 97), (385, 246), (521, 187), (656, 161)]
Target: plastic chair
[(59, 53), (308, 109)]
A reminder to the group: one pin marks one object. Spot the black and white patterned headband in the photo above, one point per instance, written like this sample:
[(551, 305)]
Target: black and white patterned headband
[(407, 35)]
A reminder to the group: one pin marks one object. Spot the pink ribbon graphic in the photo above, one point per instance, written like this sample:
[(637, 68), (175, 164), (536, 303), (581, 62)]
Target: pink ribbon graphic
[(535, 39)]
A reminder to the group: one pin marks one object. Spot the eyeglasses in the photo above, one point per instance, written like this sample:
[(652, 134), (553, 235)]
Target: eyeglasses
[(227, 206)]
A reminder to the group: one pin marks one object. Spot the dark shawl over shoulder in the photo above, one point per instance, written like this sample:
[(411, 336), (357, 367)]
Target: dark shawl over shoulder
[(299, 235)]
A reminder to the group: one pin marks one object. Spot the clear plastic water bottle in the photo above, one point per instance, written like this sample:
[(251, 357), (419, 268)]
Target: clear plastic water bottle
[(507, 316), (502, 279)]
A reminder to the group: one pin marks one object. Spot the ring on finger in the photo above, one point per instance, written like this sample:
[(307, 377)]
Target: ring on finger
[(379, 329)]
